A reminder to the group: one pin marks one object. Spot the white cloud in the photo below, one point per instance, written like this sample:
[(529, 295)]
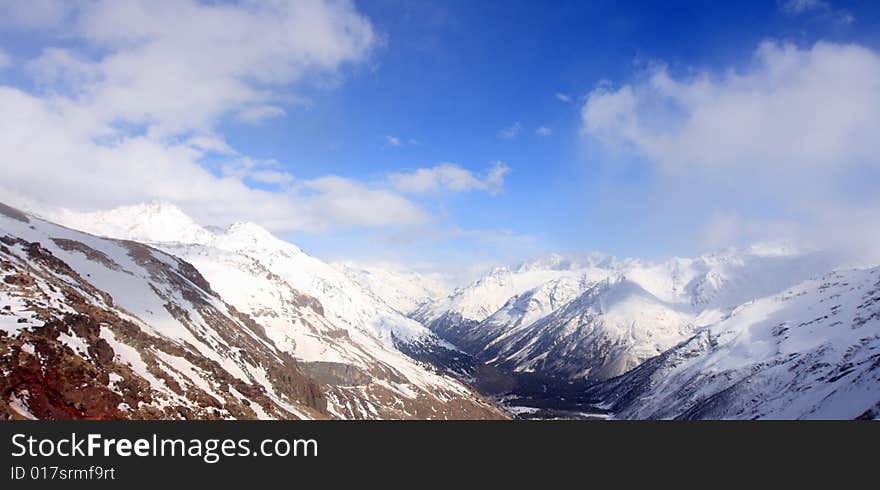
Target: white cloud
[(130, 108), (67, 166), (563, 97), (350, 203), (511, 132), (821, 7), (451, 177), (794, 108), (770, 147), (159, 52), (176, 66), (543, 131), (393, 140), (211, 143)]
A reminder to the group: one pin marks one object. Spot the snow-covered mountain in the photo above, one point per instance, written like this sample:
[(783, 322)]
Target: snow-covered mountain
[(97, 328), (150, 222), (344, 340), (365, 371), (345, 302), (404, 290), (810, 352), (487, 294), (236, 323), (597, 318)]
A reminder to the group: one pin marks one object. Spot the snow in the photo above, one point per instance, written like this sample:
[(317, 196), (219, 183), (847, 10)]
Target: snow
[(129, 355), (345, 303), (18, 402), (405, 290), (190, 372), (9, 319), (76, 344)]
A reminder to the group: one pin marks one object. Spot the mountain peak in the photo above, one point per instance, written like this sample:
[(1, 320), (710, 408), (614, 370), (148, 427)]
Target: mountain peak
[(552, 261), (248, 235), (248, 228), (155, 221)]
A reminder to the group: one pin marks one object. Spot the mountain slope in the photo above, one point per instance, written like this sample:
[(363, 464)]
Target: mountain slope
[(342, 335), (811, 352), (100, 328)]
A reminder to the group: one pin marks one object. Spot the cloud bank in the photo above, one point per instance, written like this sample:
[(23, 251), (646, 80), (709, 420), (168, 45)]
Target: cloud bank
[(125, 109), (794, 131)]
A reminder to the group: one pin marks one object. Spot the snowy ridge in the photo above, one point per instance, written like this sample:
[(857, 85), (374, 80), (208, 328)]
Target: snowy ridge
[(812, 352), (152, 222), (487, 294)]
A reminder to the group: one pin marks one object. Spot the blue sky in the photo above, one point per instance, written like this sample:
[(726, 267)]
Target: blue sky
[(533, 87)]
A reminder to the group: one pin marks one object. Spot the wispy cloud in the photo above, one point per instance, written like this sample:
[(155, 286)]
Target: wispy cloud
[(819, 7), (543, 131), (450, 177), (563, 97), (393, 140), (511, 131), (273, 177), (260, 112)]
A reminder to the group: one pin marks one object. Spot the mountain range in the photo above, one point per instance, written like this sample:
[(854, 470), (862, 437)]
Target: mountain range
[(140, 312)]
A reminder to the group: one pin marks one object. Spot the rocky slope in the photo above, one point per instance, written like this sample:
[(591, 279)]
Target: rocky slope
[(360, 349), (108, 328)]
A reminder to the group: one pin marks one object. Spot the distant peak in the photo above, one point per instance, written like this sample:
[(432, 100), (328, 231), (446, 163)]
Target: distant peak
[(249, 234), (160, 208), (247, 228), (155, 221), (251, 231), (553, 261)]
